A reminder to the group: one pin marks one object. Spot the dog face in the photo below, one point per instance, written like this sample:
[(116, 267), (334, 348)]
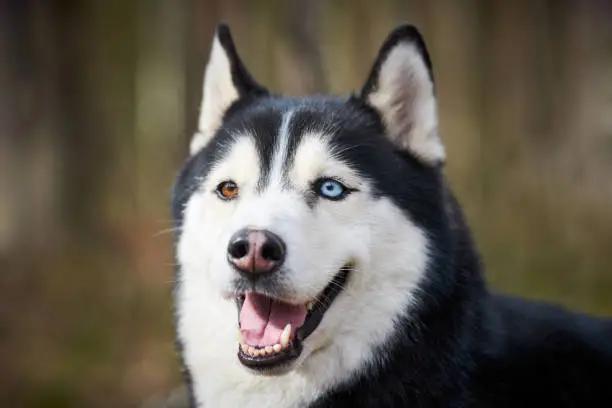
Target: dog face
[(305, 225)]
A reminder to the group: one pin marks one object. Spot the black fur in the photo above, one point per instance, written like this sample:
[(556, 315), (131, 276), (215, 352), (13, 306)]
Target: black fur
[(463, 346), (243, 81)]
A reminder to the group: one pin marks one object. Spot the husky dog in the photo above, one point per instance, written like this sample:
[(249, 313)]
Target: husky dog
[(324, 262)]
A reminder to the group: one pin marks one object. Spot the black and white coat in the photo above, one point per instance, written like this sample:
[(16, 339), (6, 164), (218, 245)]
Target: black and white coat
[(414, 325)]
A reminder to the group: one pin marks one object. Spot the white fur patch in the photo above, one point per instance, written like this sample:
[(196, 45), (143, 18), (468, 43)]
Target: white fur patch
[(390, 251), (405, 98), (218, 94), (281, 151)]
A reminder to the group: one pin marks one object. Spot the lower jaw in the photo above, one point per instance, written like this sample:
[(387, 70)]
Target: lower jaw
[(275, 364)]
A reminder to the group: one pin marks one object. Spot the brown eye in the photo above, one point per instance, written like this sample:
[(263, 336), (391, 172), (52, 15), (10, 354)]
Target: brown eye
[(227, 190)]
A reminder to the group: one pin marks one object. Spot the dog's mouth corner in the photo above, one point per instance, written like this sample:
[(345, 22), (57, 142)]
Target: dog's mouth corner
[(272, 331)]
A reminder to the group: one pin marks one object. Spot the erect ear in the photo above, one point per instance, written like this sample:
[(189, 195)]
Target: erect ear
[(401, 88), (225, 81)]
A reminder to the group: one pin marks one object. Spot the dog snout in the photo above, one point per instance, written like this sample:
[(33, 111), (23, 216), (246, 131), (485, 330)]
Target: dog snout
[(255, 252)]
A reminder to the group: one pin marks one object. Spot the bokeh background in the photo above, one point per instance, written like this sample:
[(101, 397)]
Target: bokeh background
[(97, 103)]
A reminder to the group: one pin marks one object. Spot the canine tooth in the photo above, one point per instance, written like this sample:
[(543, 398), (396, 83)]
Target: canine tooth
[(276, 347), (310, 305), (269, 349), (284, 339), (244, 348)]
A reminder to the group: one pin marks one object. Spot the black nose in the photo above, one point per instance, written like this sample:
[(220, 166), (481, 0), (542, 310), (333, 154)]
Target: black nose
[(256, 251)]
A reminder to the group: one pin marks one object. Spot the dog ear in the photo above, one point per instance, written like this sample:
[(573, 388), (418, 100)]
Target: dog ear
[(401, 89), (226, 80)]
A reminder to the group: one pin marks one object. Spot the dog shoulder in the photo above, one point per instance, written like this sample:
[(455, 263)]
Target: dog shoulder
[(537, 350)]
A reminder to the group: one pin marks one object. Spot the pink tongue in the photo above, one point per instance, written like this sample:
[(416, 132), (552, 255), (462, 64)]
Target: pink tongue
[(262, 319)]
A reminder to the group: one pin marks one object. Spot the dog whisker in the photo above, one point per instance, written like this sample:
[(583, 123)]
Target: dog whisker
[(167, 231)]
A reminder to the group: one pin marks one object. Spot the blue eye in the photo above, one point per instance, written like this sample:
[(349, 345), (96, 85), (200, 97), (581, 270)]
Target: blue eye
[(331, 189)]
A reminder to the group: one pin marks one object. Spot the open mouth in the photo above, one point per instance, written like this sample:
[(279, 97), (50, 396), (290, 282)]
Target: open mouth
[(272, 331)]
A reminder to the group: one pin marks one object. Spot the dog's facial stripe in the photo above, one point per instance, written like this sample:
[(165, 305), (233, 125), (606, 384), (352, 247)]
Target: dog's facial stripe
[(279, 145), (277, 177)]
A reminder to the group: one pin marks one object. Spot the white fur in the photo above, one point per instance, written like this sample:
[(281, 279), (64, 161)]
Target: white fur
[(390, 251), (405, 98), (218, 94), (280, 152)]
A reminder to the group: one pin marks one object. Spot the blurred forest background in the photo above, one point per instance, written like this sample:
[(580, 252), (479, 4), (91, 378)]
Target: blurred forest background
[(97, 103)]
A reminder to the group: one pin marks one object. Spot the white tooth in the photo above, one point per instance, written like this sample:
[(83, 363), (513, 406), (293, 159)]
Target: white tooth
[(251, 351), (284, 340), (310, 305), (276, 348), (269, 349), (244, 348)]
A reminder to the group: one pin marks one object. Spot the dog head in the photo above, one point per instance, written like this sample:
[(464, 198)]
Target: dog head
[(314, 217)]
